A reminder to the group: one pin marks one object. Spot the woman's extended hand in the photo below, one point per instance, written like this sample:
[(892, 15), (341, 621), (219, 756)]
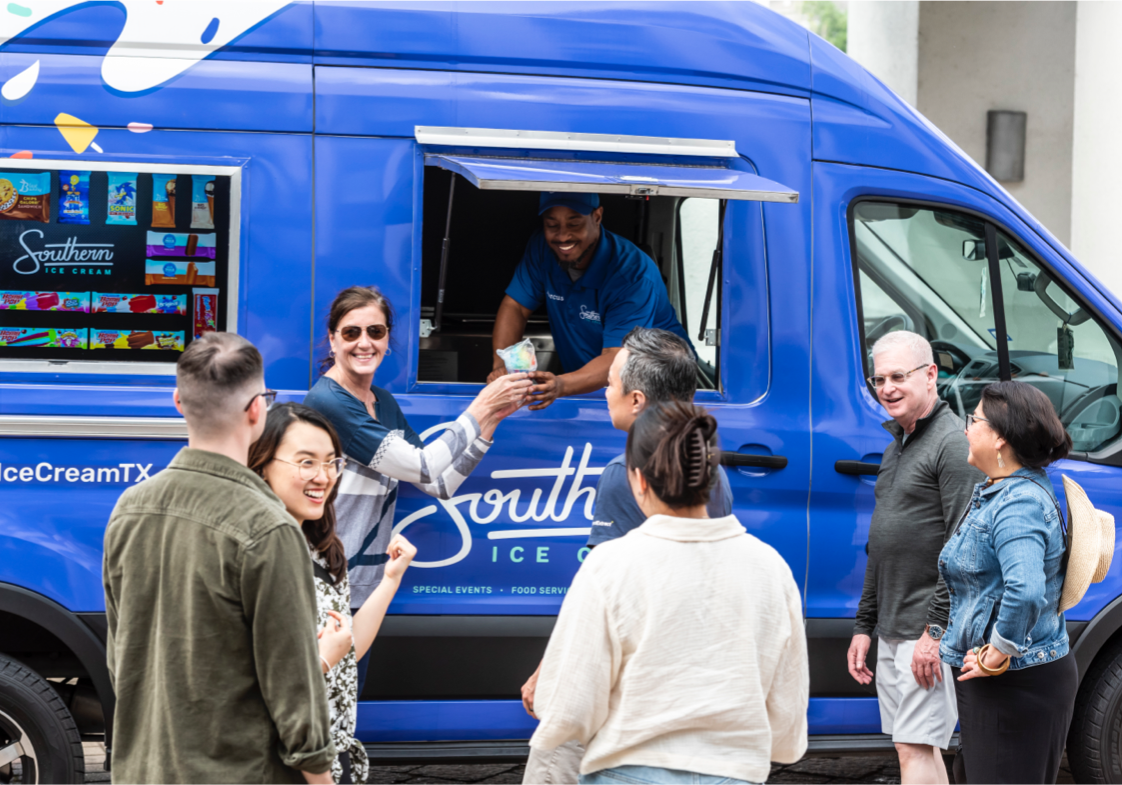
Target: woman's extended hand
[(335, 639), (499, 399), (401, 553)]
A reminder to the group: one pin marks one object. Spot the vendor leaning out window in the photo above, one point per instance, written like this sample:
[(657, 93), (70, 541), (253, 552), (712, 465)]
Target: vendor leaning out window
[(596, 286)]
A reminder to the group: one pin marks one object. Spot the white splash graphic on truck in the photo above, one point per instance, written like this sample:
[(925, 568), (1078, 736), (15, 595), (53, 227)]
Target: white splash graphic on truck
[(160, 40)]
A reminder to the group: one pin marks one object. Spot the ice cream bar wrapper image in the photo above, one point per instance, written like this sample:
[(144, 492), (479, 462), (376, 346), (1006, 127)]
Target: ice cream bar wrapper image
[(180, 273), (202, 201), (122, 198), (73, 302), (136, 339), (206, 311), (25, 197), (196, 246), (519, 357), (163, 200), (44, 337), (102, 302), (73, 197)]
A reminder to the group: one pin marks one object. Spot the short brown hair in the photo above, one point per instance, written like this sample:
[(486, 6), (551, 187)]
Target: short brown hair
[(212, 376)]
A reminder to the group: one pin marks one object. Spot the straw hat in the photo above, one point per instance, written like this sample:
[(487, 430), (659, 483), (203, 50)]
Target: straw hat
[(1092, 544)]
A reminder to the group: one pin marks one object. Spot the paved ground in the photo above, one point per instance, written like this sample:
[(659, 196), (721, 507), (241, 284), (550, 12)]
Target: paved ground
[(851, 769)]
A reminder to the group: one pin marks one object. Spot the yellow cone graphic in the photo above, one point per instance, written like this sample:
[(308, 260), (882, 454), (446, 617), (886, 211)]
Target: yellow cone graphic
[(78, 134)]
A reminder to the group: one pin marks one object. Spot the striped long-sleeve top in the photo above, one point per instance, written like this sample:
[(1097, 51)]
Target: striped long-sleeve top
[(381, 452)]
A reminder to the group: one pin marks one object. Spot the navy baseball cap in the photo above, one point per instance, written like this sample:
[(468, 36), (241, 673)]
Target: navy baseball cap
[(582, 203)]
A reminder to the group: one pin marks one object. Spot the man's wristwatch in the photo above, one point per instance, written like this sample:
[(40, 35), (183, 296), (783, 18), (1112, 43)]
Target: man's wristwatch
[(935, 631)]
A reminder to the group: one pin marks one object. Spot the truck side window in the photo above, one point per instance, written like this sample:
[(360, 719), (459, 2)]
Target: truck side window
[(698, 225), (1057, 346), (911, 274)]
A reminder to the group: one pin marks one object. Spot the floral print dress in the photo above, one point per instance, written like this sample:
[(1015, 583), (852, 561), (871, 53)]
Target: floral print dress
[(342, 680)]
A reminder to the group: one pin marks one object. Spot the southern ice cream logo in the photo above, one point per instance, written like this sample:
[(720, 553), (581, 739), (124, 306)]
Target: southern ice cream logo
[(94, 258)]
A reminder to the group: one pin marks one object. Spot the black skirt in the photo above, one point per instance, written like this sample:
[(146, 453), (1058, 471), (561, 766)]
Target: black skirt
[(1014, 726)]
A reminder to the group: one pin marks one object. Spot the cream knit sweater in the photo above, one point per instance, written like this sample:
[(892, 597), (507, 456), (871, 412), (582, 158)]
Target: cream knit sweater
[(680, 645)]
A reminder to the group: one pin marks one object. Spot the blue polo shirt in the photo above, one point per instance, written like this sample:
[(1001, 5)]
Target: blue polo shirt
[(620, 290), (617, 512)]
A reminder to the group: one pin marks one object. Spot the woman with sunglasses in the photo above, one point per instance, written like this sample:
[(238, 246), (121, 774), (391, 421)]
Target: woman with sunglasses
[(1004, 568), (300, 458), (380, 446)]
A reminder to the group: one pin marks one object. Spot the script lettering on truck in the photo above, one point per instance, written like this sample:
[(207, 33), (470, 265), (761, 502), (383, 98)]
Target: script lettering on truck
[(485, 508)]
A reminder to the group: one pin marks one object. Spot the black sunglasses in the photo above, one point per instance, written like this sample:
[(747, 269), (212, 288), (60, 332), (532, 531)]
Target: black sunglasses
[(352, 333), (270, 397)]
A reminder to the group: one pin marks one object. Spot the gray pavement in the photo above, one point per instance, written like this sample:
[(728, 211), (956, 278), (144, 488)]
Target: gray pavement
[(847, 769)]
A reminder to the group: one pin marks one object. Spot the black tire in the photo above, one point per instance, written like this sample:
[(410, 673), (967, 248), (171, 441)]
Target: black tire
[(33, 716), (1094, 743)]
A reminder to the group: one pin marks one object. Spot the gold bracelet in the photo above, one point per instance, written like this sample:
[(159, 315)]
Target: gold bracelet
[(991, 671)]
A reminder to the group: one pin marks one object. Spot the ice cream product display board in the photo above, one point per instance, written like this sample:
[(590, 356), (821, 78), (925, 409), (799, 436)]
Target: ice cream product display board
[(117, 268)]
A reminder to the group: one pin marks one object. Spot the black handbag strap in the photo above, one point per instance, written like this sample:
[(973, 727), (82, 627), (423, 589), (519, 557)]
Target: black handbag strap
[(322, 573)]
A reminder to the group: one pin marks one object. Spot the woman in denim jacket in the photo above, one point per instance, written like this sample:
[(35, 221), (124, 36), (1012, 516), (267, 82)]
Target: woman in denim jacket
[(1004, 568)]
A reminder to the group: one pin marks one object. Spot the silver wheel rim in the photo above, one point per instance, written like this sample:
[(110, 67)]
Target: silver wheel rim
[(16, 747)]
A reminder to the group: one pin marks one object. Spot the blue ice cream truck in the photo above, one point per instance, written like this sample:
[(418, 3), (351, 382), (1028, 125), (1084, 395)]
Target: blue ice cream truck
[(173, 168)]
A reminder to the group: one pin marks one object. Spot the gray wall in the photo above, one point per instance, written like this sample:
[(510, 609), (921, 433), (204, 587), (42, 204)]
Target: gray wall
[(977, 56)]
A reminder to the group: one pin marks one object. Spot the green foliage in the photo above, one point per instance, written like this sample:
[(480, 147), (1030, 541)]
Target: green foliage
[(827, 20)]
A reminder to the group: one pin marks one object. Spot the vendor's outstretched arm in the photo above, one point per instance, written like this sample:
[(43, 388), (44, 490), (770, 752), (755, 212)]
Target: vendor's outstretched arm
[(510, 326), (593, 376)]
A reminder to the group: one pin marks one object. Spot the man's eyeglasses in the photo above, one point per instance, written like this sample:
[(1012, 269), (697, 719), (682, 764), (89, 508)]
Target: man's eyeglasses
[(270, 397), (973, 418), (309, 469), (352, 333), (899, 377)]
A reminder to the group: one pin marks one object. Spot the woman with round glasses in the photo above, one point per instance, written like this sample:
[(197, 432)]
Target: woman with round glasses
[(380, 446), (299, 456), (1004, 568)]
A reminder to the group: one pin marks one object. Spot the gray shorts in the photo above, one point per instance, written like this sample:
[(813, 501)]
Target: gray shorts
[(560, 766), (908, 712)]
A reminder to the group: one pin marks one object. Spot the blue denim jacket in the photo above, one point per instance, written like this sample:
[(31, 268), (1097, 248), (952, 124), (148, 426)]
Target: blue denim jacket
[(1003, 570)]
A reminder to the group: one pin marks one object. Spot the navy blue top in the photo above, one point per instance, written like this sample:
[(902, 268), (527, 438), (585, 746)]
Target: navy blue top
[(617, 513), (619, 290), (360, 434)]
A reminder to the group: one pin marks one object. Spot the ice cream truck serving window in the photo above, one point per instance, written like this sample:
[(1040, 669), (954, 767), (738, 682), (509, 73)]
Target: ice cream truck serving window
[(114, 268)]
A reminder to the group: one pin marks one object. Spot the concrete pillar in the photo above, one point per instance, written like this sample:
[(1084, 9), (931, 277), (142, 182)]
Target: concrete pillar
[(1096, 163), (1020, 56), (883, 36)]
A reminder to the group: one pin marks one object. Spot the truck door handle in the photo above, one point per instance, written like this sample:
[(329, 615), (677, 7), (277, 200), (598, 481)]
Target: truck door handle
[(759, 461), (857, 468)]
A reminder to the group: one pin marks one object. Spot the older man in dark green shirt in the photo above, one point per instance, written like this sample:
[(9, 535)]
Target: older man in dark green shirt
[(211, 602)]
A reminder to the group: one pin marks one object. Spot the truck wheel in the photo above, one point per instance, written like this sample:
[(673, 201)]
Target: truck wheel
[(1094, 743), (39, 741)]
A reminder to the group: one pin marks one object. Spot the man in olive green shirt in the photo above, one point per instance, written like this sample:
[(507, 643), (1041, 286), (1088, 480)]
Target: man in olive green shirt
[(211, 603)]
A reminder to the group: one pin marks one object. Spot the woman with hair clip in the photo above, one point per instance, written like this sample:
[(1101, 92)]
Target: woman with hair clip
[(679, 654), (1004, 567), (300, 458)]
